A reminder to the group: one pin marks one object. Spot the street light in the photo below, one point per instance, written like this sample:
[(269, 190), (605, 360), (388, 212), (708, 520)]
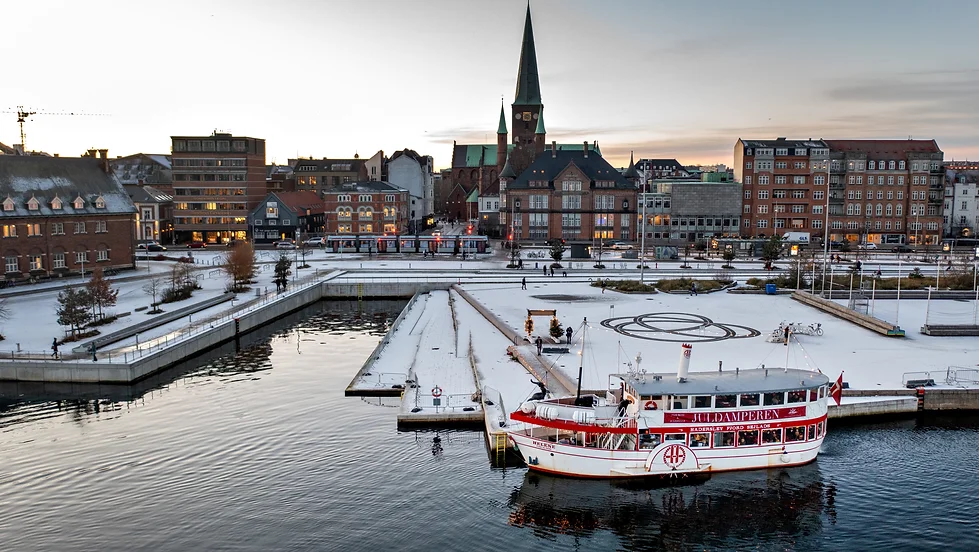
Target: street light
[(826, 225)]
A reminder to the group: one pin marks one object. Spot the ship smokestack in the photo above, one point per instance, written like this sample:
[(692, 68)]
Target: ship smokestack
[(684, 368)]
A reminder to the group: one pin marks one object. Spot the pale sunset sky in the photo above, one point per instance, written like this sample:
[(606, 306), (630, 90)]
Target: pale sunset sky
[(334, 77)]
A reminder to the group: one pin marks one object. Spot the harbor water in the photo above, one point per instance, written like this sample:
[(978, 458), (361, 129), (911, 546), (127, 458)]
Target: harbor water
[(259, 450)]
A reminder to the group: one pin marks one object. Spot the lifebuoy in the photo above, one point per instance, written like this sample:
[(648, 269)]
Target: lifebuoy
[(650, 405), (436, 391)]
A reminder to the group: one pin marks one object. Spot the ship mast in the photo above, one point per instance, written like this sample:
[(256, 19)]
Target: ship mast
[(581, 360)]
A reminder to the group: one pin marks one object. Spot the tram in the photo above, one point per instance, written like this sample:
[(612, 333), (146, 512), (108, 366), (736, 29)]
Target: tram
[(406, 244)]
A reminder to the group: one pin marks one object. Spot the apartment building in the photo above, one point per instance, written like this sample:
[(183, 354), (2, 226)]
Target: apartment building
[(217, 180), (321, 175), (960, 216), (366, 208), (876, 191)]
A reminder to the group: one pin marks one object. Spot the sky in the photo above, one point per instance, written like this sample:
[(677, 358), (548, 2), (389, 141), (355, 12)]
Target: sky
[(333, 78)]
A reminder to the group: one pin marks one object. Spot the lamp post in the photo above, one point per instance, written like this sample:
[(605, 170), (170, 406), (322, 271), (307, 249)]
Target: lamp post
[(826, 224), (642, 239)]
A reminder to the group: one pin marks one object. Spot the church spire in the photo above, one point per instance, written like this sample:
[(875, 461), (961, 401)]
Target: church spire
[(540, 123), (528, 81), (502, 129)]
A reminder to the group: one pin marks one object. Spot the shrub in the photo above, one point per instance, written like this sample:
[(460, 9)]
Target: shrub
[(683, 284), (630, 286)]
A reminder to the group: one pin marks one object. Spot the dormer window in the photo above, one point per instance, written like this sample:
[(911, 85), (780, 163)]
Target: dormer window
[(8, 204), (33, 204), (79, 203), (99, 203), (56, 203)]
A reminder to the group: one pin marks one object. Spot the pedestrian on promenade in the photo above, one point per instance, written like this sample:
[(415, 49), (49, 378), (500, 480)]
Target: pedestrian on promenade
[(568, 332), (693, 288), (540, 345), (93, 349), (523, 283), (54, 348), (552, 271), (786, 330), (564, 273), (536, 265), (603, 286), (545, 270)]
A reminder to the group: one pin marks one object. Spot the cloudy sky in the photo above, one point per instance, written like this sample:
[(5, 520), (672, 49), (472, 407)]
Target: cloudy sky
[(332, 78)]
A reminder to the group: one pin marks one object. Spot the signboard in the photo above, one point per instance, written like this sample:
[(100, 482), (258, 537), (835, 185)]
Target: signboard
[(733, 416)]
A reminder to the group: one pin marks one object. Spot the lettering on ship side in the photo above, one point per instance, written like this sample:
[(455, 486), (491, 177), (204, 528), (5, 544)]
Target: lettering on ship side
[(734, 416), (544, 445)]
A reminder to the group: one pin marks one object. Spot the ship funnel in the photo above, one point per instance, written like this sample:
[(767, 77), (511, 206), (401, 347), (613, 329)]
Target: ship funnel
[(684, 368)]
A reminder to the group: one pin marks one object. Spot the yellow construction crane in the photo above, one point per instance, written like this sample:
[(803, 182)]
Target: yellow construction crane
[(24, 115)]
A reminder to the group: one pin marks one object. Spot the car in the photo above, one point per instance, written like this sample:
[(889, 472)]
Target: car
[(234, 243), (867, 246), (145, 245), (902, 248), (285, 244), (314, 242), (620, 247), (196, 245), (155, 247)]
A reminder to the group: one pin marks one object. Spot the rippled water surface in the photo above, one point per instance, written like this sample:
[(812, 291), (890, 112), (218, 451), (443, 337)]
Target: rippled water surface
[(260, 450)]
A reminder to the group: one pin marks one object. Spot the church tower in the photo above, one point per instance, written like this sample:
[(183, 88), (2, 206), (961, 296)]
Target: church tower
[(501, 141), (527, 106)]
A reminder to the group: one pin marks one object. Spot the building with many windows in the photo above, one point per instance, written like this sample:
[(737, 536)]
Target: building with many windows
[(154, 213), (960, 216), (145, 169), (876, 191), (217, 179), (366, 208), (683, 212), (413, 172), (572, 195), (61, 215), (320, 175)]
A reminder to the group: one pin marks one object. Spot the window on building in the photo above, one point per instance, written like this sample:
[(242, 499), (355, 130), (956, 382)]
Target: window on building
[(798, 179), (819, 194), (34, 229), (747, 165), (762, 223), (817, 209), (781, 151), (780, 180), (80, 228), (58, 260), (762, 194), (762, 209), (763, 180), (816, 223), (747, 181), (819, 180), (800, 164)]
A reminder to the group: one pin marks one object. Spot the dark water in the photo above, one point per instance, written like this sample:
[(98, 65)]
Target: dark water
[(261, 451)]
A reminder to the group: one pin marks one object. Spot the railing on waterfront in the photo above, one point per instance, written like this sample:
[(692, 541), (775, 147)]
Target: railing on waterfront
[(133, 352)]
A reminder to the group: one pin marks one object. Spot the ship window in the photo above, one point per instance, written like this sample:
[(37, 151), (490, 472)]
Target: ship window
[(812, 431), (813, 395), (797, 396), (822, 391), (725, 401), (649, 440), (774, 398), (700, 439), (750, 399), (723, 439), (793, 434), (747, 438), (676, 437), (770, 436), (679, 402), (819, 430), (701, 401)]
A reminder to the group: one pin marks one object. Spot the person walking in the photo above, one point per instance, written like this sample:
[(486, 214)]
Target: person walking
[(523, 283), (552, 271), (93, 349), (545, 271), (603, 286), (693, 288), (540, 345), (569, 332), (54, 348)]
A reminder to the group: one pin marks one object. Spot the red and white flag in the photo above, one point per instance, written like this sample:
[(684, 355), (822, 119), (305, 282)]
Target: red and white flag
[(836, 390)]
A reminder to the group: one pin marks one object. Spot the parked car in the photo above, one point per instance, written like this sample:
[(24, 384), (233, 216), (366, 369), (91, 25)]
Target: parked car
[(197, 245), (902, 248), (155, 247), (314, 242), (235, 243), (146, 245), (620, 247), (867, 246), (285, 244)]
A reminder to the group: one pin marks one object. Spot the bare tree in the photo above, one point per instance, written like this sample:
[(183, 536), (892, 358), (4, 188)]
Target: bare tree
[(100, 293), (4, 310), (153, 289), (240, 266)]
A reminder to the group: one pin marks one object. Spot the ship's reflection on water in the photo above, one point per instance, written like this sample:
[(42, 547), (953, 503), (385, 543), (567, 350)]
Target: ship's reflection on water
[(731, 510)]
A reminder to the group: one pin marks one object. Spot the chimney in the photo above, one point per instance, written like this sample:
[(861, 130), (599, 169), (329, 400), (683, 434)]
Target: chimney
[(684, 368), (554, 148), (586, 148), (91, 153), (104, 160)]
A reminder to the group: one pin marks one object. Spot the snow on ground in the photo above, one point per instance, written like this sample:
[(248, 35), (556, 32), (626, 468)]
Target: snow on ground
[(441, 360), (870, 360), (394, 360)]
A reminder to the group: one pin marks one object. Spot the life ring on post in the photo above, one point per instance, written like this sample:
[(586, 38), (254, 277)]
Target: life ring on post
[(649, 405), (436, 391)]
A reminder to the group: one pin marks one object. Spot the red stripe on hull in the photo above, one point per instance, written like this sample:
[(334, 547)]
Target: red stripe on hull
[(711, 470)]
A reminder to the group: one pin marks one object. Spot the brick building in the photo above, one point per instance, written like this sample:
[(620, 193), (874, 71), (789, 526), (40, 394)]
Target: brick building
[(61, 215), (287, 215), (574, 195), (366, 208), (217, 179), (880, 191)]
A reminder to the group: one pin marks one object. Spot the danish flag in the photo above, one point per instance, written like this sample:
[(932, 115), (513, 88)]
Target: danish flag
[(836, 390)]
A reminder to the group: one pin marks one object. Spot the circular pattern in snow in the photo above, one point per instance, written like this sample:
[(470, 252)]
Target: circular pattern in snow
[(677, 327)]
